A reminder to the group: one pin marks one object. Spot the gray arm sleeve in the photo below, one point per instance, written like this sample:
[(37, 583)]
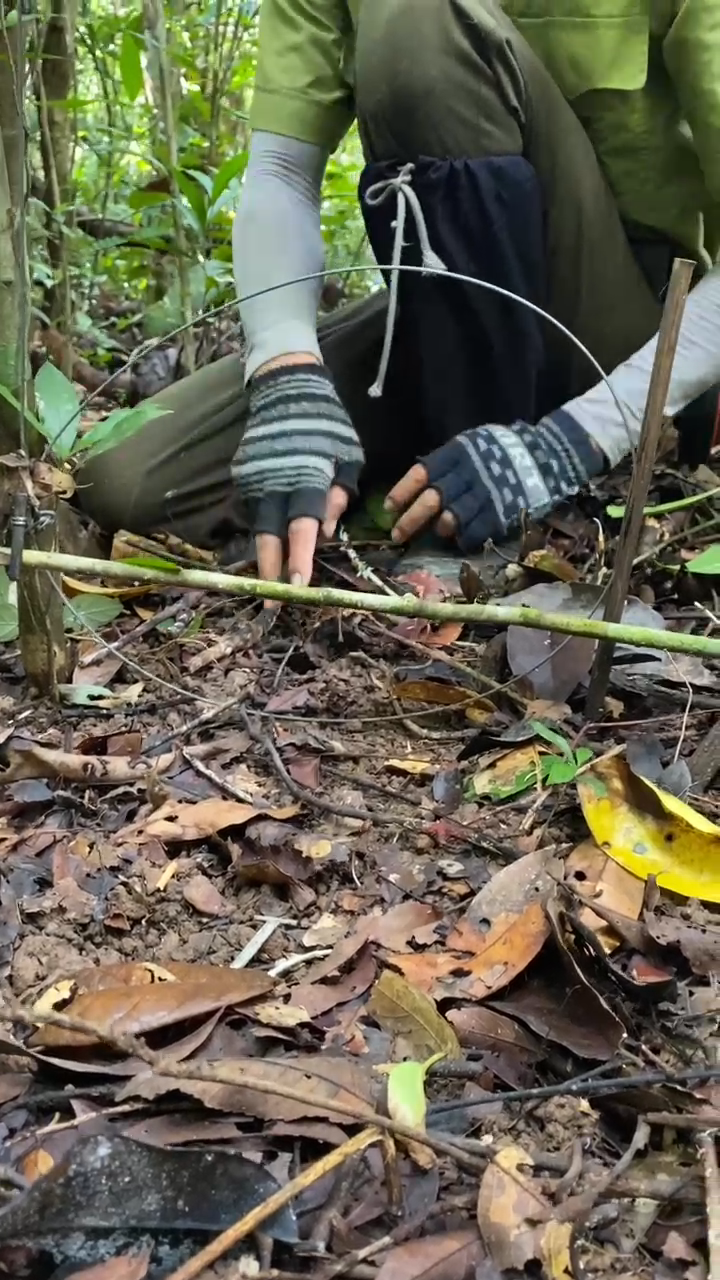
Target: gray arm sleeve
[(277, 237), (696, 369)]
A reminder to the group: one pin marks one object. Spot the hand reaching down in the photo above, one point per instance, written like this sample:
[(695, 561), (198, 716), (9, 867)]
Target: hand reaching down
[(297, 465), (479, 484)]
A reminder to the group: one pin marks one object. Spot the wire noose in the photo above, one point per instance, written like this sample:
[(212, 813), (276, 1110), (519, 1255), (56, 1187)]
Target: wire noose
[(146, 348)]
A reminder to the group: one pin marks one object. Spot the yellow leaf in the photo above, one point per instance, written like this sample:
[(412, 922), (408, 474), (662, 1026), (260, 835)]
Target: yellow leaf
[(75, 588), (403, 1010), (512, 772), (650, 832), (37, 1164), (547, 562), (555, 1250), (55, 997), (411, 766)]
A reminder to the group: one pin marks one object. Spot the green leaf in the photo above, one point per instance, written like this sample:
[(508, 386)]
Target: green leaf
[(406, 1103), (194, 195), (119, 425), (8, 395), (556, 772), (59, 409), (4, 586), (90, 611), (143, 199), (9, 629), (227, 171), (131, 72), (582, 755), (82, 695), (708, 561), (552, 736), (152, 562), (663, 508)]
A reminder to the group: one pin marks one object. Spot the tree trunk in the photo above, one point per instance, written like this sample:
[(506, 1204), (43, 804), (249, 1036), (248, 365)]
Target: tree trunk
[(53, 86), (42, 638), (165, 96)]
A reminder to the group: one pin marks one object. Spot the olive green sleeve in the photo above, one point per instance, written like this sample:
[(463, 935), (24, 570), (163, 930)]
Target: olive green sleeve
[(302, 86), (692, 57)]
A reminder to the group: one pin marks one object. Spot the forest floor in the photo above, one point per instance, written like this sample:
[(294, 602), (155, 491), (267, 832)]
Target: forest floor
[(259, 867)]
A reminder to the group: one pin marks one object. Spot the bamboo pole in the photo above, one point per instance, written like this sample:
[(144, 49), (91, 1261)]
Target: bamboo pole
[(641, 477), (406, 606)]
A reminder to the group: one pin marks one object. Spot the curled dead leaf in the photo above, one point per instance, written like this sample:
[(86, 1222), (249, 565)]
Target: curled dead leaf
[(320, 1079), (137, 1008)]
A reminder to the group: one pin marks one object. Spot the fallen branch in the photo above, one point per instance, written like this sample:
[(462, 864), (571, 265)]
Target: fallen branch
[(253, 1220), (407, 606)]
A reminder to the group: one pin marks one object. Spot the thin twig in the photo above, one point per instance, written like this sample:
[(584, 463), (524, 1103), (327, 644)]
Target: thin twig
[(708, 1147), (141, 630), (584, 1088), (214, 713), (264, 740), (222, 784)]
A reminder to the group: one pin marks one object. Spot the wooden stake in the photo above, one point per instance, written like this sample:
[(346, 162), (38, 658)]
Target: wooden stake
[(642, 476)]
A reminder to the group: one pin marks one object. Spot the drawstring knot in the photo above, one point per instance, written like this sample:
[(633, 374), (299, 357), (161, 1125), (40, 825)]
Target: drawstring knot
[(406, 197)]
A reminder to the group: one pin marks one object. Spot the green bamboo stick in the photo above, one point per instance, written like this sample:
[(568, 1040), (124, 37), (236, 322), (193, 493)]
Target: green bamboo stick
[(405, 606)]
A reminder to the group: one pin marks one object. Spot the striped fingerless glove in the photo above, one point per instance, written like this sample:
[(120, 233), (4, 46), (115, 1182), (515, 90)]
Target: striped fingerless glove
[(489, 476), (298, 442)]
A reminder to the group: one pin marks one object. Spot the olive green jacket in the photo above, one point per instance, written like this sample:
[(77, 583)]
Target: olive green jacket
[(642, 75)]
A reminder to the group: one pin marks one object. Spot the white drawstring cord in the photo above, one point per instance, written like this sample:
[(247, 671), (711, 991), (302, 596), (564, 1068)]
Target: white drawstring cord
[(405, 196)]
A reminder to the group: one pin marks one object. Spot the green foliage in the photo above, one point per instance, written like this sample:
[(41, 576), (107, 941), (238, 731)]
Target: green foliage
[(549, 769), (131, 64), (119, 425), (121, 162), (90, 611), (708, 561), (59, 409)]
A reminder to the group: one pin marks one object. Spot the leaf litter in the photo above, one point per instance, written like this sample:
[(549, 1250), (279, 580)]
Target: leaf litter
[(531, 903)]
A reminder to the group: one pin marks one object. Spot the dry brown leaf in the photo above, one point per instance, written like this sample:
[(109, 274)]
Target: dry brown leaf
[(316, 998), (548, 562), (319, 1079), (407, 922), (699, 942), (29, 760), (280, 1015), (451, 1255), (529, 879), (481, 1028), (185, 820), (201, 894), (445, 695), (402, 1010), (600, 877), (499, 956), (129, 1267), (511, 1213), (136, 1008)]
